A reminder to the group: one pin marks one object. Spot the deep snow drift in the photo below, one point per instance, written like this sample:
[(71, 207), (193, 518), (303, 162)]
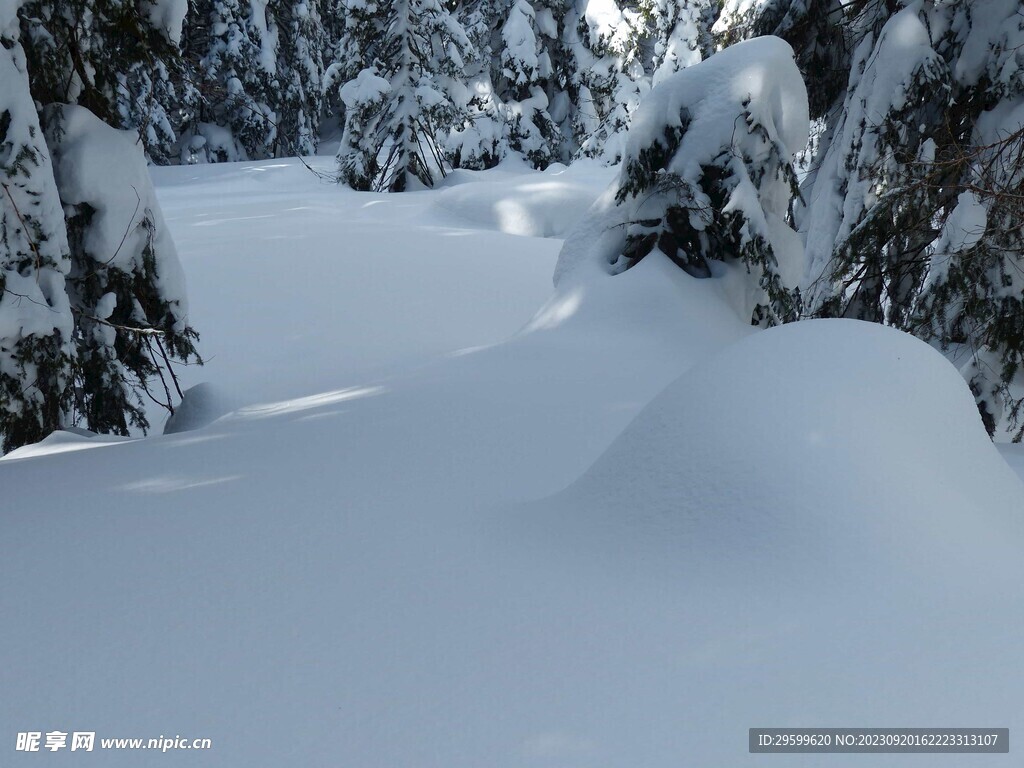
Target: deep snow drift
[(832, 536), (832, 449)]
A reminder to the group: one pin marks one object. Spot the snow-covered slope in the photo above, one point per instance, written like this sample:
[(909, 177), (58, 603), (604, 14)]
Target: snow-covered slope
[(350, 570)]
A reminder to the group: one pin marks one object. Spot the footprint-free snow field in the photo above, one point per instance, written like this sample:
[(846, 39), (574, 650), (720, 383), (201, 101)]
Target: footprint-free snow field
[(431, 512)]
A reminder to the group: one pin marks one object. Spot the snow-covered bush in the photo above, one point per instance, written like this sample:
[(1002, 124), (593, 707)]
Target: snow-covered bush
[(707, 175)]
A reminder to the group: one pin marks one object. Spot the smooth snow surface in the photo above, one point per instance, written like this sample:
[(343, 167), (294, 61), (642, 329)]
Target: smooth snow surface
[(544, 204), (353, 568), (803, 414)]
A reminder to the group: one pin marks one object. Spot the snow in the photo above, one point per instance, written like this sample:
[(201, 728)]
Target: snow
[(759, 70), (595, 240), (64, 441), (735, 12), (210, 143), (263, 22), (9, 15), (167, 16), (858, 162), (533, 205), (520, 43), (356, 296), (743, 112), (105, 168), (809, 538), (1001, 122), (992, 42), (367, 87), (963, 229), (200, 405), (373, 561), (680, 44), (607, 23), (803, 413)]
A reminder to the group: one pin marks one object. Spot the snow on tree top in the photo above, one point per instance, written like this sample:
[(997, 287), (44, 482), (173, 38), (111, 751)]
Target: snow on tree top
[(758, 76), (167, 16), (105, 168), (367, 87)]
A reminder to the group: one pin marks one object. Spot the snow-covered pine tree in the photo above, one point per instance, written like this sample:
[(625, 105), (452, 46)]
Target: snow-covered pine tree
[(400, 111), (234, 50), (125, 285), (973, 295), (359, 26), (35, 316), (680, 34), (354, 29), (606, 50), (914, 202), (483, 140), (89, 277), (517, 82), (707, 174), (118, 58), (332, 18), (870, 223), (300, 69), (525, 71)]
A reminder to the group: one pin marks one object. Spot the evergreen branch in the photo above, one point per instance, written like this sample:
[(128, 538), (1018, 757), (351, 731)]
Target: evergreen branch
[(31, 243)]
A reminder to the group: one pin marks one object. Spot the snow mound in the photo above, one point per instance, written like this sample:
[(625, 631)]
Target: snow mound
[(547, 204), (828, 444), (200, 405)]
